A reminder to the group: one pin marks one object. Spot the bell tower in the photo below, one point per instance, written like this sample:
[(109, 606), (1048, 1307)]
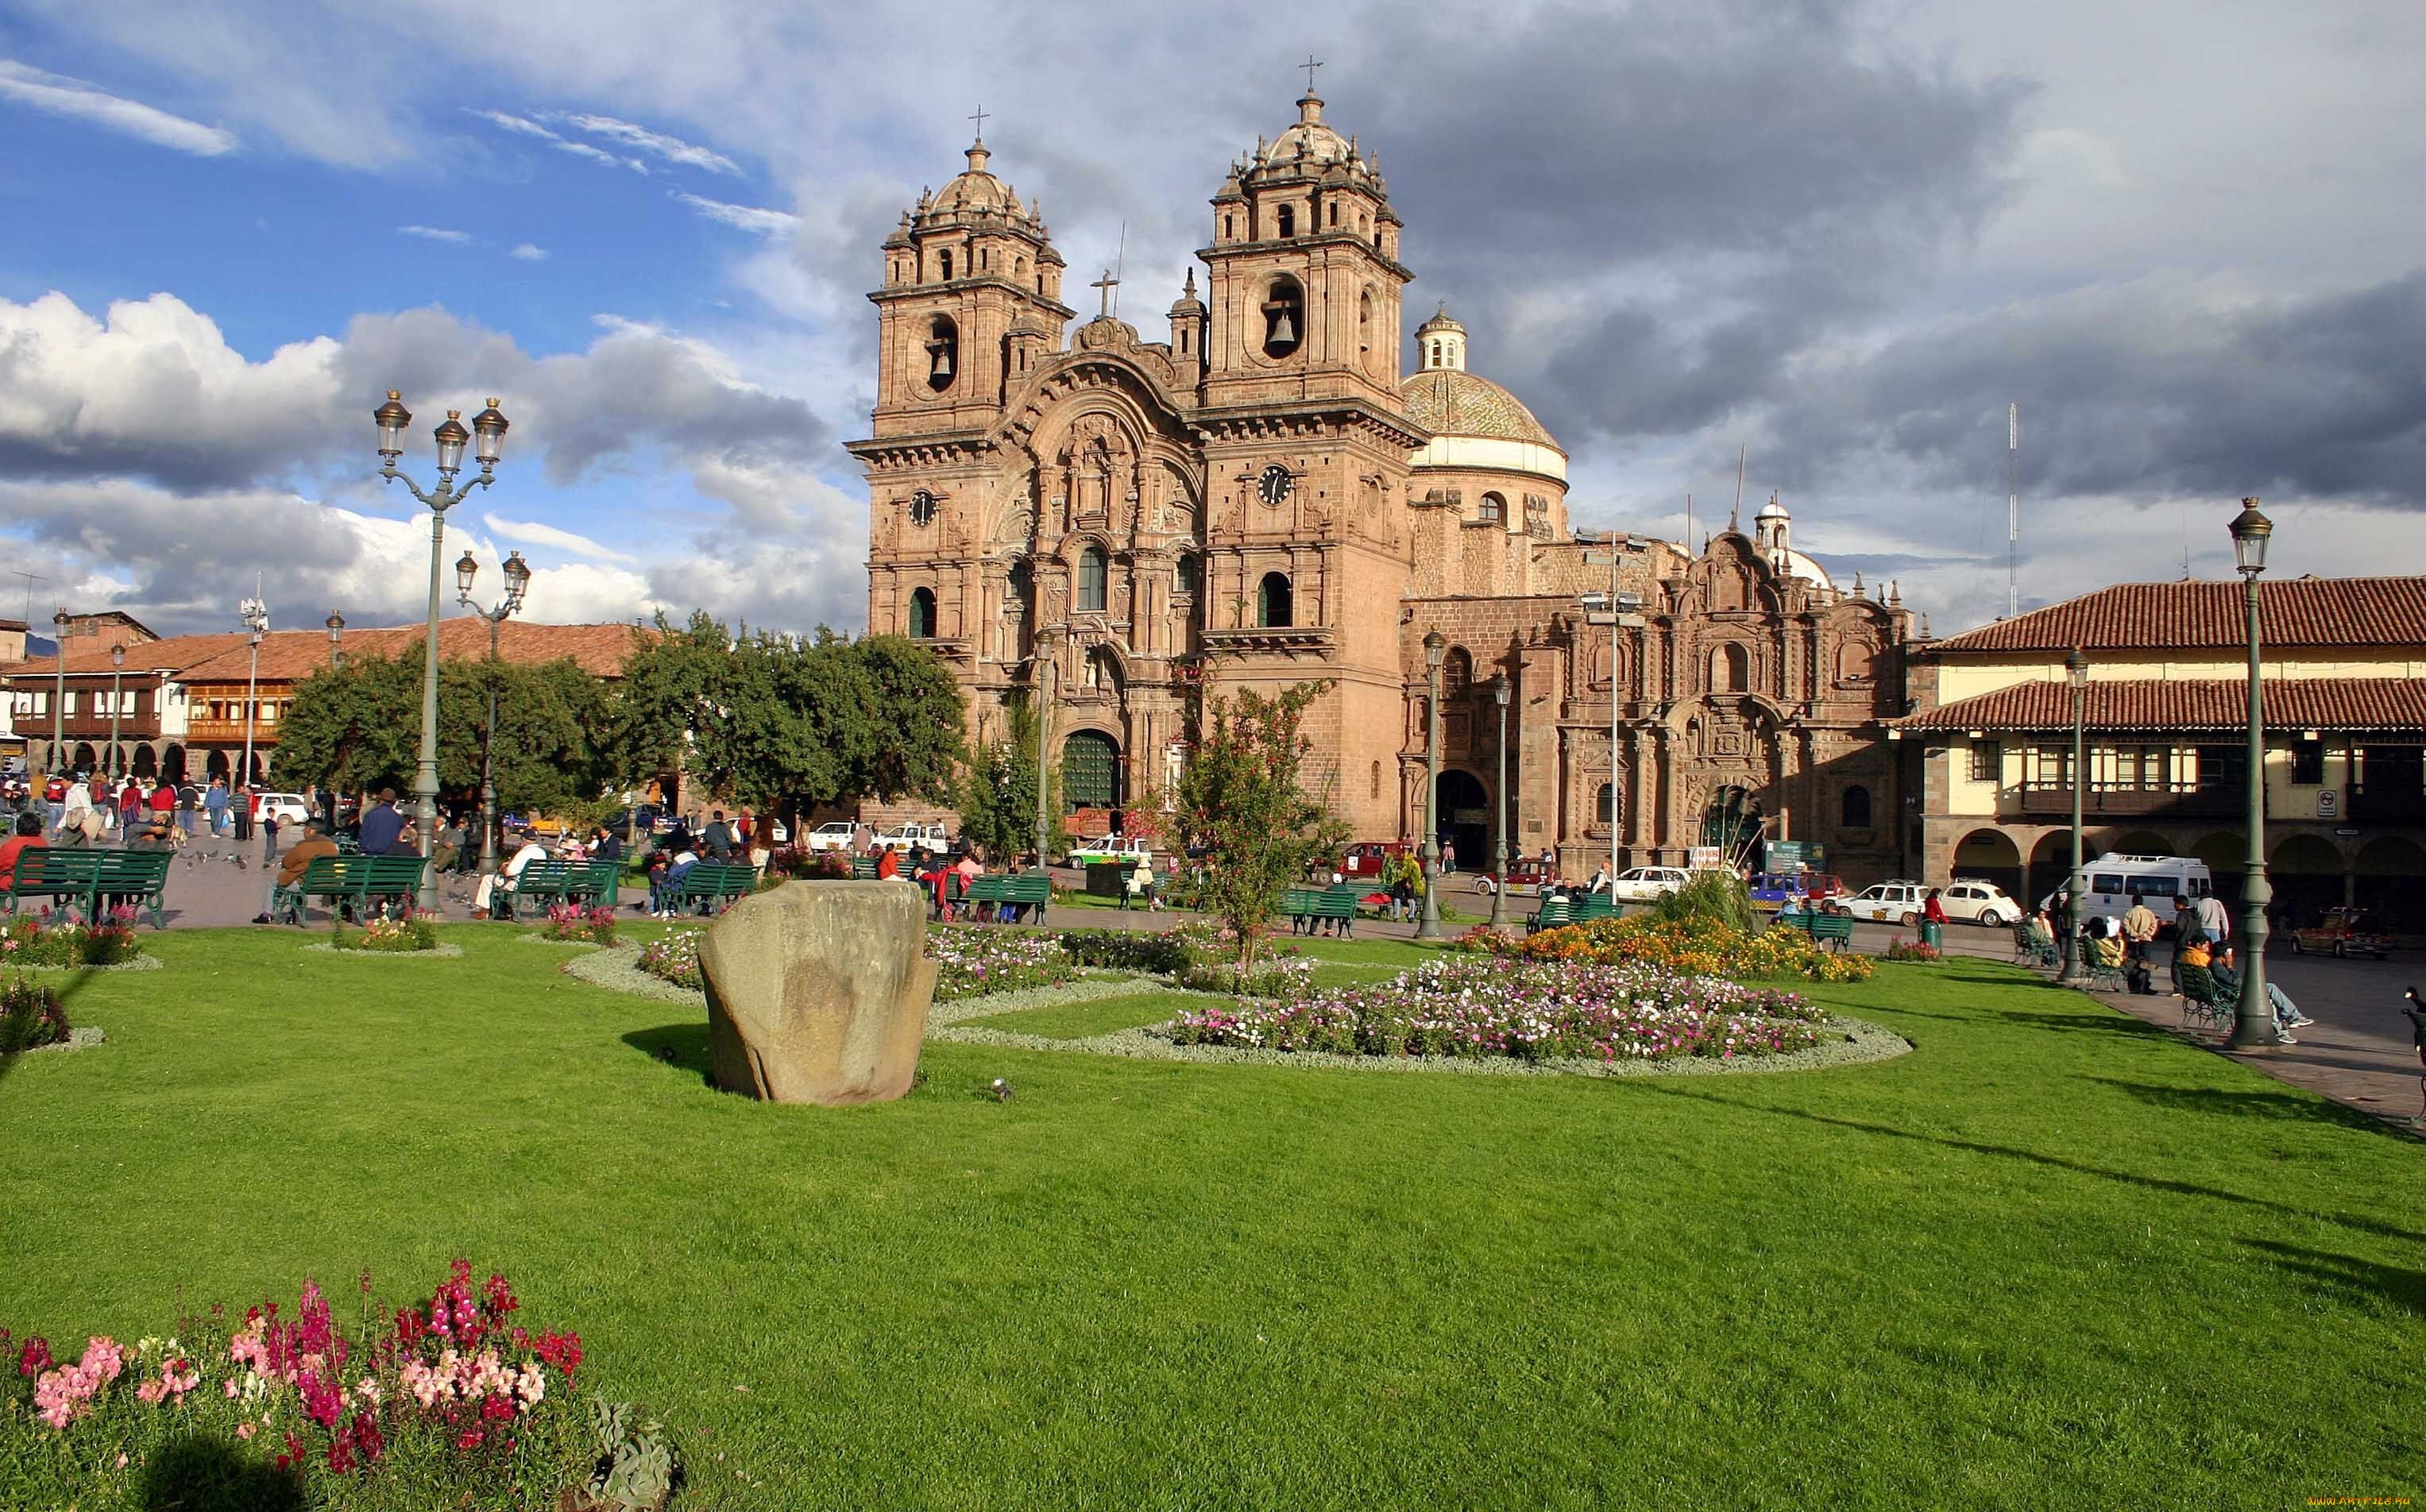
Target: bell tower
[(972, 299), (1306, 274)]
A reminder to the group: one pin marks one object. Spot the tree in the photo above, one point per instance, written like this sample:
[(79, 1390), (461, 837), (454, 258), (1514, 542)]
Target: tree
[(1242, 798), (998, 792)]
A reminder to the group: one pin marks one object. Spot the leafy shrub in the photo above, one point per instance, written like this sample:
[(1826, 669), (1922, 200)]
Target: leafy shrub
[(416, 930), (1528, 1009), (1127, 950), (1701, 947), (674, 959), (573, 922), (451, 1403), (56, 941), (1269, 979), (32, 1015), (1710, 898)]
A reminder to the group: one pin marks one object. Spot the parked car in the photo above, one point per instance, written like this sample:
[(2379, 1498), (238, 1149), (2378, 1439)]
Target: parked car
[(1984, 904), (1644, 884), (2342, 932), (1888, 903), (1770, 889), (1524, 875), (1111, 849), (1371, 858), (908, 838), (288, 808), (834, 834)]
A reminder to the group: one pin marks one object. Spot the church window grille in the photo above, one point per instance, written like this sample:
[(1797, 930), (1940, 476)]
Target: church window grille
[(1856, 808), (1190, 573), (1273, 609), (1089, 770), (1494, 509), (1604, 805), (1456, 672), (1091, 581), (922, 614), (1289, 220), (1377, 780)]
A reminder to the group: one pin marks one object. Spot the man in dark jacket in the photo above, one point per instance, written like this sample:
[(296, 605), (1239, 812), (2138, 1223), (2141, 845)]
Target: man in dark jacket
[(381, 824), (718, 838), (606, 845)]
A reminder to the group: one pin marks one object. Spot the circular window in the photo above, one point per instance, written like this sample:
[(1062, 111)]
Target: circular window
[(922, 508)]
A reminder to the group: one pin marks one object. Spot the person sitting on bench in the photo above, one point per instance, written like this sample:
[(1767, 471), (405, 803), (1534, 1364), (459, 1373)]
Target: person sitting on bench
[(493, 900), (2223, 970), (315, 843)]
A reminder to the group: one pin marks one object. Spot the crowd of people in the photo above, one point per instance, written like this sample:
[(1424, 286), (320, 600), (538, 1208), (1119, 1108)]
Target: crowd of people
[(82, 808)]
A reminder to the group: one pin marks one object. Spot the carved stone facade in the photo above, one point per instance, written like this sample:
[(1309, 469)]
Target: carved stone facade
[(1265, 498)]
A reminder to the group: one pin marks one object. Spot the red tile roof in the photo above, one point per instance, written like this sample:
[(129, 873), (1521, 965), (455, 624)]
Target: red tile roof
[(2344, 703), (289, 655), (2307, 611)]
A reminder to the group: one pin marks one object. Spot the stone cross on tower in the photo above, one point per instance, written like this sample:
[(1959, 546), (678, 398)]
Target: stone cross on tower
[(1106, 284), (980, 119), (1309, 65)]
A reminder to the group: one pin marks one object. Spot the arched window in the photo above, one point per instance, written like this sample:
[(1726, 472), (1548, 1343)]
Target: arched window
[(1020, 585), (1191, 574), (1857, 808), (1456, 672), (1229, 227), (943, 349), (947, 265), (1854, 662), (1283, 308), (1289, 220), (1335, 211), (1606, 804), (1090, 580), (1019, 265), (922, 614), (1272, 605), (1494, 509), (1730, 669)]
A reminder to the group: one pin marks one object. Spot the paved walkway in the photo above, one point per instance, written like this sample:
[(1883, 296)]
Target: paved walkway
[(2359, 1053)]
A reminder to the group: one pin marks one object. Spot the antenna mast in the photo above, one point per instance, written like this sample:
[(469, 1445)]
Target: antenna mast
[(1119, 266), (1740, 455), (2012, 509)]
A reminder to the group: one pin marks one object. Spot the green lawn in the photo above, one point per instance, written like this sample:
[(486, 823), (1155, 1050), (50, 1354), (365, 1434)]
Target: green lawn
[(1087, 1016), (2052, 1258)]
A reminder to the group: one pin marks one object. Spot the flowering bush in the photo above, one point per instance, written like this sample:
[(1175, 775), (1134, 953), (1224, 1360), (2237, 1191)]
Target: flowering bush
[(570, 920), (56, 941), (1701, 947), (1128, 950), (974, 960), (1914, 950), (32, 1015), (674, 959), (416, 930), (1528, 1009), (451, 1403)]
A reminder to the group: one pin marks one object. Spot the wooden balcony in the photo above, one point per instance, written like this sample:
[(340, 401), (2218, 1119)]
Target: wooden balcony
[(229, 732), (2053, 803)]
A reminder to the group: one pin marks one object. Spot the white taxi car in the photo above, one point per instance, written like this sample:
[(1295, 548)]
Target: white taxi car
[(1644, 884), (1888, 903), (1982, 902)]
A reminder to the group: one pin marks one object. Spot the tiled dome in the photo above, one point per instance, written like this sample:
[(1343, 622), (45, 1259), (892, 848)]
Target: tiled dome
[(1452, 402)]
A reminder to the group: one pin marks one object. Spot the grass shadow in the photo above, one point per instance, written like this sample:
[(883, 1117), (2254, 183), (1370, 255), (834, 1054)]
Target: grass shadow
[(2283, 1105), (675, 1044), (2362, 1280), (200, 1475)]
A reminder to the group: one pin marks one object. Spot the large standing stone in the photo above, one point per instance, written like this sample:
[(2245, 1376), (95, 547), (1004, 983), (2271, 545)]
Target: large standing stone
[(817, 991)]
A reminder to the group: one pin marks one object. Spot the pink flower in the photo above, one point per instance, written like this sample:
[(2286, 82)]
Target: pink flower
[(244, 1430)]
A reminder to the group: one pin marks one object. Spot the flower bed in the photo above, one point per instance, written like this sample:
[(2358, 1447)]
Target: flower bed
[(415, 931), (1914, 950), (32, 1015), (1528, 1009), (974, 960), (50, 940), (1698, 947), (451, 1403), (675, 960), (573, 924)]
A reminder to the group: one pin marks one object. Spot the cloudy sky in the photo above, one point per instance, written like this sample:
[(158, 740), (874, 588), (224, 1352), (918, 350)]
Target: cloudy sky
[(2186, 238)]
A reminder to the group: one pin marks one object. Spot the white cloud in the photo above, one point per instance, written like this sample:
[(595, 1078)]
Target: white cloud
[(545, 535), (673, 149), (529, 252), (435, 234), (742, 217), (515, 124), (73, 97), (595, 154)]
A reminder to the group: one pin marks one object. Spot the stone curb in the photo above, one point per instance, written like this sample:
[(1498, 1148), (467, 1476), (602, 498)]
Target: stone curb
[(84, 1038), (442, 950), (140, 963)]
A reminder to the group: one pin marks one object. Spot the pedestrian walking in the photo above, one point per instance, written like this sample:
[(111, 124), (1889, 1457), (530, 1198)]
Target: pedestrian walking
[(242, 806), (270, 837)]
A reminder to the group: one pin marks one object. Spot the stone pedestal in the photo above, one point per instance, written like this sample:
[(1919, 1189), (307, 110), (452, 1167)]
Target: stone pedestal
[(818, 992)]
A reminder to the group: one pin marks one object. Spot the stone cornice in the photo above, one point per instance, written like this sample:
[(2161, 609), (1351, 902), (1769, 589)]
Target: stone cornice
[(893, 454), (1308, 419)]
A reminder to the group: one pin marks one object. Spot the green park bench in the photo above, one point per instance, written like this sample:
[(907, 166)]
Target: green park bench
[(1024, 890), (863, 868), (1834, 929), (1553, 913), (1307, 909), (343, 880), (1592, 906), (546, 882), (602, 884), (715, 885), (90, 879)]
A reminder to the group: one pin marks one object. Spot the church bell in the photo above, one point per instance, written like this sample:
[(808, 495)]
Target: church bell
[(942, 353)]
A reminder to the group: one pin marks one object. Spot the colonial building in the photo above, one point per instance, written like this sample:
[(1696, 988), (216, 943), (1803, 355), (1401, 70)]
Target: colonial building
[(1266, 496), (2165, 716)]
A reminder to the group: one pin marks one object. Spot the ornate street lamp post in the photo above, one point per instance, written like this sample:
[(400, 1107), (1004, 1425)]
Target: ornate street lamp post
[(117, 671), (2076, 672), (336, 623), (1043, 740), (2256, 1024), (1500, 689), (1435, 653), (517, 584), (255, 614), (392, 417)]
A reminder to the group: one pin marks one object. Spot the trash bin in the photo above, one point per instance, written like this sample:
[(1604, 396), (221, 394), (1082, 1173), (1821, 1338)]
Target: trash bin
[(1932, 933)]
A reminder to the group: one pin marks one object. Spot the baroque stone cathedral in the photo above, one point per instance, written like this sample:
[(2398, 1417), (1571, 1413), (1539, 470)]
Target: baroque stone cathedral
[(1267, 498)]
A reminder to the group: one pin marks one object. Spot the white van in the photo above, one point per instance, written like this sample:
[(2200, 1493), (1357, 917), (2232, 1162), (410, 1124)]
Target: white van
[(2158, 879)]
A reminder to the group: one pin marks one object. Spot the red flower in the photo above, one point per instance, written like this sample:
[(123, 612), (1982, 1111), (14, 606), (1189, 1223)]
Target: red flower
[(468, 1438), (35, 1357)]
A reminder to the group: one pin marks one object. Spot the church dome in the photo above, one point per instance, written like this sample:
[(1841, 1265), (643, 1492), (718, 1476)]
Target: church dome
[(1452, 402), (975, 190), (1309, 140)]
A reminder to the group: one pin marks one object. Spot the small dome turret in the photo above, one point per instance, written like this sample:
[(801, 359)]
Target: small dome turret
[(1440, 343)]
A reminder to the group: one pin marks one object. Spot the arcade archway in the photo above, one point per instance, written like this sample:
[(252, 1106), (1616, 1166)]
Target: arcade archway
[(1990, 856), (1466, 818)]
